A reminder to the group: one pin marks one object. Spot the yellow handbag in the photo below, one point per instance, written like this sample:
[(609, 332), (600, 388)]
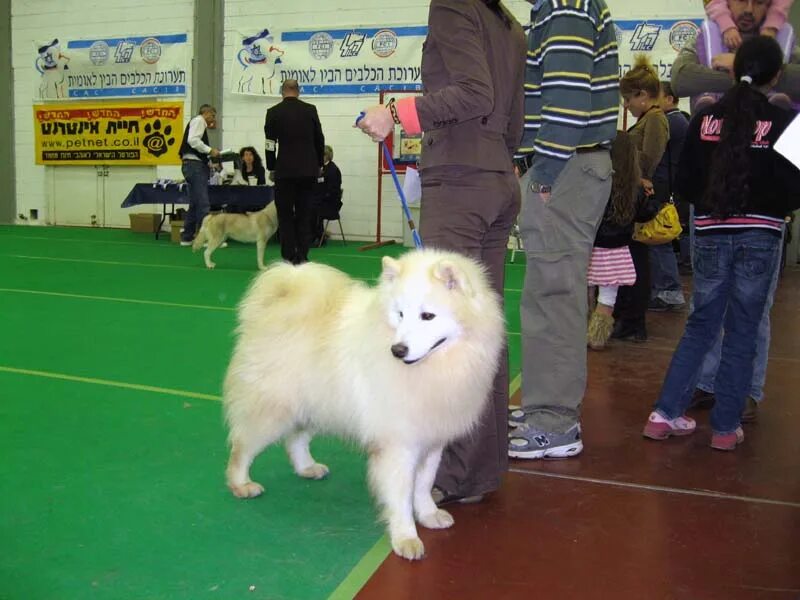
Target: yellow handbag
[(661, 229)]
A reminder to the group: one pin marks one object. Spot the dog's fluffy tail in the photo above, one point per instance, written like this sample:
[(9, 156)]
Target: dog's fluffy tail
[(201, 237)]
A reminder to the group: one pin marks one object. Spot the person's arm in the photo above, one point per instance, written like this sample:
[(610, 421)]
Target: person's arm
[(516, 123), (718, 11), (789, 83), (654, 144), (319, 138), (333, 183), (261, 176), (777, 14), (690, 78), (454, 28), (197, 127), (566, 92), (271, 145)]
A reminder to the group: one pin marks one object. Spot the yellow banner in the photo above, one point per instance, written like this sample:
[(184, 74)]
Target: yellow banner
[(124, 133)]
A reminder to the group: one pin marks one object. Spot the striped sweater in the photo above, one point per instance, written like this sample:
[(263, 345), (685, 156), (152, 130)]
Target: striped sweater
[(571, 83)]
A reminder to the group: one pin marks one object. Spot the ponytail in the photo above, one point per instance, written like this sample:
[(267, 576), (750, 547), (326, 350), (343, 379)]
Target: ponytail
[(758, 61), (730, 162)]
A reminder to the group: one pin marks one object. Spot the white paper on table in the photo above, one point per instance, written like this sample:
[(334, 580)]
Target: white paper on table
[(789, 143), (412, 186)]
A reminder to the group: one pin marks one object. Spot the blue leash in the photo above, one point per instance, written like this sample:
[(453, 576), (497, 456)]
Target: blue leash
[(399, 188)]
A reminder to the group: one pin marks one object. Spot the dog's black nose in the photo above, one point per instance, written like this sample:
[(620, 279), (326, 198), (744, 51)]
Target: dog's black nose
[(400, 350)]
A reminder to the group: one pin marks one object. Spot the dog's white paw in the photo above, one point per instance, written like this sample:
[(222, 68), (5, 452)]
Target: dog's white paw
[(409, 548), (262, 267), (315, 471), (251, 489), (441, 519), (211, 265)]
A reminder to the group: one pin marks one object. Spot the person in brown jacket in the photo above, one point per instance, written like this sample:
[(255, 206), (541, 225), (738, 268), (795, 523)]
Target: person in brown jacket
[(472, 116)]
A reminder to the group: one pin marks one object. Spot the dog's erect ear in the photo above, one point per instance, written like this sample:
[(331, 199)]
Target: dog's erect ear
[(391, 269), (452, 277)]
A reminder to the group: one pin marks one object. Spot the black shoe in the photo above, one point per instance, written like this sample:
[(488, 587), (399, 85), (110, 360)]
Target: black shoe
[(658, 305), (702, 400), (629, 332), (750, 412), (442, 498)]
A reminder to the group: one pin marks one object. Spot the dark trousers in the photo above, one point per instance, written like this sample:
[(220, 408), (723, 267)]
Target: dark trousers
[(293, 203), (472, 212), (632, 300), (196, 174)]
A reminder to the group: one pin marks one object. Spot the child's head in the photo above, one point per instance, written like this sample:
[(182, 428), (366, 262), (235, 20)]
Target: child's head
[(667, 99), (759, 58), (640, 86), (626, 179)]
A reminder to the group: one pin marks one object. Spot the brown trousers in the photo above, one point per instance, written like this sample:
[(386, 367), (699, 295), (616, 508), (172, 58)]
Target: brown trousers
[(472, 212)]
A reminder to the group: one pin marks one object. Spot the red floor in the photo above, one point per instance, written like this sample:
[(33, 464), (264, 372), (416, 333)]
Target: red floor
[(631, 518)]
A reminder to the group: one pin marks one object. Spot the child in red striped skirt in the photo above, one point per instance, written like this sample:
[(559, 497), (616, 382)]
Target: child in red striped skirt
[(611, 264)]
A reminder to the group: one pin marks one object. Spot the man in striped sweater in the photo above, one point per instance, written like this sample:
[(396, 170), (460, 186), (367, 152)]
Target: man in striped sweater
[(571, 107)]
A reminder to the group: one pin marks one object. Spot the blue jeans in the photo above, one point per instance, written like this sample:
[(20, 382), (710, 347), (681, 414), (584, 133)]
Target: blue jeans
[(711, 362), (732, 278), (196, 174), (665, 282)]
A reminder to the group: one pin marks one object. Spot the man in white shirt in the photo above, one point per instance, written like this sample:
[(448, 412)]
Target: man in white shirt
[(195, 153)]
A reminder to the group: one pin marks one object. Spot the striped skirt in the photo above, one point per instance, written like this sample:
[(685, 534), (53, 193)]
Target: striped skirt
[(611, 266)]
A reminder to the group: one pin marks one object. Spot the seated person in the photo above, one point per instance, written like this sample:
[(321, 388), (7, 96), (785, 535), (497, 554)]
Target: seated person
[(703, 68), (327, 197), (252, 168)]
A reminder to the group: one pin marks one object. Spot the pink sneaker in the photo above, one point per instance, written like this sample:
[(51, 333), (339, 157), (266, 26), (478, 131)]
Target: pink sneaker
[(660, 428), (727, 441)]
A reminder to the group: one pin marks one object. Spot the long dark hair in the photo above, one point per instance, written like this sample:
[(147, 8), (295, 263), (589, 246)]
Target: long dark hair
[(497, 8), (626, 179), (257, 164), (758, 61)]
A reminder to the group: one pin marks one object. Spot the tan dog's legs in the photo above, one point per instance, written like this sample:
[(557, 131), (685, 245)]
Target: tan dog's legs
[(261, 246), (301, 459), (213, 244), (391, 472)]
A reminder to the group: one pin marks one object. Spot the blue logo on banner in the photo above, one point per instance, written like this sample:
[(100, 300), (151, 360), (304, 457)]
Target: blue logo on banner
[(644, 37), (124, 52), (352, 44)]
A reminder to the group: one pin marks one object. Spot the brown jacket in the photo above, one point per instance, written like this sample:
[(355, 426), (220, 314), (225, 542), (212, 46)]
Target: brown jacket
[(473, 68)]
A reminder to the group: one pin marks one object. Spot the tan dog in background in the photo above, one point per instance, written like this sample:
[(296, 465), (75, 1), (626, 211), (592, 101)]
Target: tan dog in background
[(255, 227)]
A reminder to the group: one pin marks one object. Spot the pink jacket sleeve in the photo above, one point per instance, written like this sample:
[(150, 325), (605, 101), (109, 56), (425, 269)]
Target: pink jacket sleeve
[(718, 11), (777, 14)]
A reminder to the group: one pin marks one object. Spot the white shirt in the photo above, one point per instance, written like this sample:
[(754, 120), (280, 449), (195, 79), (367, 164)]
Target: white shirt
[(197, 127)]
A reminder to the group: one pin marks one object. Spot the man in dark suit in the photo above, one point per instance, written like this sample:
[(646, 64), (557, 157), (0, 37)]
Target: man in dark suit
[(295, 147)]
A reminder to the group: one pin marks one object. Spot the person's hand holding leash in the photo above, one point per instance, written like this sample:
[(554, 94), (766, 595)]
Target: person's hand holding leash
[(377, 122)]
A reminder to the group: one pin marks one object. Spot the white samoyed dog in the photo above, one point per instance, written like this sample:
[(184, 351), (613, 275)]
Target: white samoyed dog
[(402, 368)]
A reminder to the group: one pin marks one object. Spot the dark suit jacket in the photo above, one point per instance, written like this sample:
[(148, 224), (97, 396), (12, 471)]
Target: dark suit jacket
[(328, 198), (473, 70), (293, 130)]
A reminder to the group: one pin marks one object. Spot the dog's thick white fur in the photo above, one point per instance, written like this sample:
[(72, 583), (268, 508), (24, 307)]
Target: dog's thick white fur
[(255, 227), (402, 368)]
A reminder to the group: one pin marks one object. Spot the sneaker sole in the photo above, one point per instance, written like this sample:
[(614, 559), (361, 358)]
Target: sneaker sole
[(567, 451), (663, 435)]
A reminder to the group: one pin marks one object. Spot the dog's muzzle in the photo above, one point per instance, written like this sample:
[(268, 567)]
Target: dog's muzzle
[(401, 351)]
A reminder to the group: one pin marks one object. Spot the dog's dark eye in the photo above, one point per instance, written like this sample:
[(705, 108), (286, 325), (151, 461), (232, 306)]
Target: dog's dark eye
[(400, 313), (427, 316)]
